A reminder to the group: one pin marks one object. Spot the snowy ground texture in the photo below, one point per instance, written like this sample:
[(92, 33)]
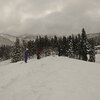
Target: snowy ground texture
[(98, 58), (50, 78)]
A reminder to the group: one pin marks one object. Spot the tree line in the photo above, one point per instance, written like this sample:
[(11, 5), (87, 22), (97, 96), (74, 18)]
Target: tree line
[(73, 46), (5, 52)]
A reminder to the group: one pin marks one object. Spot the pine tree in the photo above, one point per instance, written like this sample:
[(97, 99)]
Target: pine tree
[(55, 41), (70, 47), (52, 42), (16, 51), (84, 45), (37, 43), (64, 46), (31, 48), (2, 52), (75, 47), (5, 52), (24, 46), (92, 51), (60, 47)]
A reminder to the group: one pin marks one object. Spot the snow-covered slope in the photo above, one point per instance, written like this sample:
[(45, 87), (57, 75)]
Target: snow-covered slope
[(50, 78), (93, 35), (5, 41), (28, 37), (7, 36), (12, 38)]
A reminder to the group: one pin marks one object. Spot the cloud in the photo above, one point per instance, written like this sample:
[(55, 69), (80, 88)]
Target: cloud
[(49, 16)]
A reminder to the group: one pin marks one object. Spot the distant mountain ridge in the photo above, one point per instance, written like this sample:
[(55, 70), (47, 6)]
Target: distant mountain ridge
[(7, 36), (93, 35), (6, 39), (27, 37)]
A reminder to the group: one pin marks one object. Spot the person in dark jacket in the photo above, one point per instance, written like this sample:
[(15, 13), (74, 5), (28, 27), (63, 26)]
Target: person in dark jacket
[(38, 54), (26, 55)]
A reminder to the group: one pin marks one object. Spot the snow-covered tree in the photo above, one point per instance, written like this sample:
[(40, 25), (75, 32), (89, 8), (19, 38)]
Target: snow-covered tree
[(84, 45), (70, 47), (5, 52), (64, 46), (92, 51), (17, 51), (60, 43)]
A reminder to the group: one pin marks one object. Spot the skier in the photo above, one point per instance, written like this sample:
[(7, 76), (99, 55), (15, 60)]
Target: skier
[(26, 55), (38, 54)]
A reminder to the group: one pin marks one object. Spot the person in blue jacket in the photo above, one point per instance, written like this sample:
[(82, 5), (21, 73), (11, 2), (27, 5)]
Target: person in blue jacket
[(26, 55)]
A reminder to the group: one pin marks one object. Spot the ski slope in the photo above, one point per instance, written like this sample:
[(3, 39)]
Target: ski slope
[(50, 78)]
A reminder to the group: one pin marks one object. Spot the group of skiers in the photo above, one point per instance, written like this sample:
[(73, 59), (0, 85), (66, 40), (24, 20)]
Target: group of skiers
[(26, 55)]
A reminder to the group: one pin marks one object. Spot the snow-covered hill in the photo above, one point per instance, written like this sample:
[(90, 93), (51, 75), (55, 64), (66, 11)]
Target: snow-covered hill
[(28, 37), (93, 35), (5, 41), (7, 36), (11, 39), (50, 78)]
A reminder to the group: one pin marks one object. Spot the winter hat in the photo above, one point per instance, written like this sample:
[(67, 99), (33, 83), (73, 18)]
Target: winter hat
[(26, 48)]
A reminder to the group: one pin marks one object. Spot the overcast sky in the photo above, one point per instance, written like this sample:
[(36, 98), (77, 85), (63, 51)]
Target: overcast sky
[(49, 16)]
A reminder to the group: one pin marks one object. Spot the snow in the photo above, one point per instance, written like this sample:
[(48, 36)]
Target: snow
[(7, 36), (50, 78), (6, 62), (97, 56)]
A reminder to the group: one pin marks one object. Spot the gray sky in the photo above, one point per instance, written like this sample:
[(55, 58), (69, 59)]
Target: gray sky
[(49, 16)]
